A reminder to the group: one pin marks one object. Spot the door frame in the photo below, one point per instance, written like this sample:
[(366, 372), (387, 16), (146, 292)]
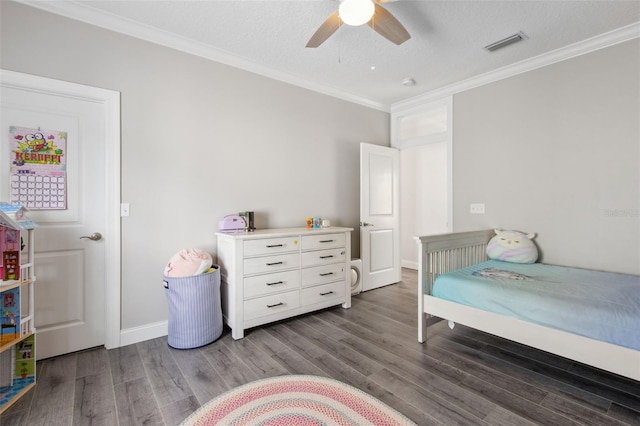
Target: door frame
[(111, 101), (441, 112)]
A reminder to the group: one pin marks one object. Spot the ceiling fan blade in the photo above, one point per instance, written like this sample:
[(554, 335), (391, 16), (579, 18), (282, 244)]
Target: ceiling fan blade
[(385, 24), (328, 27)]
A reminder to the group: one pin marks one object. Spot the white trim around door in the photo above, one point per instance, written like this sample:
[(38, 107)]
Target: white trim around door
[(111, 101)]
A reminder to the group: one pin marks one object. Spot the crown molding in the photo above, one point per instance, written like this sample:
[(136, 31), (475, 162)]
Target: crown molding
[(611, 38), (89, 15), (111, 22)]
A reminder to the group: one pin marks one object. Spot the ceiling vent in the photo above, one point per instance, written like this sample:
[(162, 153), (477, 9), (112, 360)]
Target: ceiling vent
[(505, 42)]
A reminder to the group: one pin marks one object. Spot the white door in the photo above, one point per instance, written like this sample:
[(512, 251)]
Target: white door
[(379, 215), (70, 291)]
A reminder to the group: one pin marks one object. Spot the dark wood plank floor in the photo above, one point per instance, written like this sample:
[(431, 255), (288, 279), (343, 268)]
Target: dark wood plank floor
[(461, 377)]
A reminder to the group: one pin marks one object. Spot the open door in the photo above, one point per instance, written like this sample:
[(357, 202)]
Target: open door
[(379, 215)]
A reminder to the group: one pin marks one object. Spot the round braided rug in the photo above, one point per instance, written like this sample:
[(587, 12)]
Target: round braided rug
[(296, 400)]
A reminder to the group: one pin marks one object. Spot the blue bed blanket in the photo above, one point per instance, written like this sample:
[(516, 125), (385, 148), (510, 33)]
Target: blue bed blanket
[(600, 305)]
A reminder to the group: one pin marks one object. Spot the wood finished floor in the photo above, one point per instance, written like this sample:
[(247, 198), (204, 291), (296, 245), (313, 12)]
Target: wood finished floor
[(461, 377)]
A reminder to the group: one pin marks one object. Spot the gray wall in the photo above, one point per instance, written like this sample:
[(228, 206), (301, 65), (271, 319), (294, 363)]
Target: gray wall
[(200, 140), (556, 151)]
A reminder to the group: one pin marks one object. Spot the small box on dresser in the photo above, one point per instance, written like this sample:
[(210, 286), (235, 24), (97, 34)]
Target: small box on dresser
[(272, 274)]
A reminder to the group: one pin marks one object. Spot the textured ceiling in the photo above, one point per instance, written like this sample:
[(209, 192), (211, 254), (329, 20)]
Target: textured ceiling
[(446, 45)]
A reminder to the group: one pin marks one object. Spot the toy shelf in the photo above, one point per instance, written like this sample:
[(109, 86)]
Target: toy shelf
[(19, 354), (8, 285), (8, 343), (17, 305), (20, 388)]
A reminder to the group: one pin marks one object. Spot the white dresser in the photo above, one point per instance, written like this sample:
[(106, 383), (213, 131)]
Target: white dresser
[(271, 274)]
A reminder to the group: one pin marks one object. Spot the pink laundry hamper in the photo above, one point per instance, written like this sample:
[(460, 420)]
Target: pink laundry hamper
[(195, 314)]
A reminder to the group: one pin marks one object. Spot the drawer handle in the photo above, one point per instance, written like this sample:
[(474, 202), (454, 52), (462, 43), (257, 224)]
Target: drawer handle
[(275, 245), (327, 293), (273, 306), (326, 274), (274, 263), (326, 257), (326, 241), (277, 282)]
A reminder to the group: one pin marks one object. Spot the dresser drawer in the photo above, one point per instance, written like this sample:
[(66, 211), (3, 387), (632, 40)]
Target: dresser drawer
[(323, 274), (321, 293), (268, 246), (260, 285), (266, 264), (322, 257), (314, 242), (268, 305)]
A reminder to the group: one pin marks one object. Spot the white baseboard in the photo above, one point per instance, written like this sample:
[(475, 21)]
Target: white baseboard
[(409, 264), (154, 330), (144, 332)]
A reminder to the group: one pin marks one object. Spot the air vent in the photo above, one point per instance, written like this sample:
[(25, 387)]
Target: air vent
[(505, 42)]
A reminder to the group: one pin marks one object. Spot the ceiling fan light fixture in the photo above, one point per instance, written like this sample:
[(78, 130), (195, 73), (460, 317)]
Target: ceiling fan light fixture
[(356, 12)]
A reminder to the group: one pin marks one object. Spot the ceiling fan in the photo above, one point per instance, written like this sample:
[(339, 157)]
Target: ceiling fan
[(359, 12)]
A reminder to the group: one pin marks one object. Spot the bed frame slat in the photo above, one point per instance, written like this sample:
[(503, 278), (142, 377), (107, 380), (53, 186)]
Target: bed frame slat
[(444, 253)]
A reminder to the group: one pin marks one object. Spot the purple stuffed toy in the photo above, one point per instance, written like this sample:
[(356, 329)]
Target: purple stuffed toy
[(512, 246)]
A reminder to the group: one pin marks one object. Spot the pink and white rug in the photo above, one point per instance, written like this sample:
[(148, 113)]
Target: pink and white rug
[(296, 400)]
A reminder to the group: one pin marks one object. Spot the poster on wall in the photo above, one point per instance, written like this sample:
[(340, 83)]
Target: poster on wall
[(38, 176)]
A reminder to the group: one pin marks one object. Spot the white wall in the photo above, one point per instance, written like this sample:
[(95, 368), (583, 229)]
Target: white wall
[(200, 140), (556, 151)]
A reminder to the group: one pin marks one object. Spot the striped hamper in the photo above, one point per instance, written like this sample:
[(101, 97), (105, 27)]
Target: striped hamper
[(195, 315)]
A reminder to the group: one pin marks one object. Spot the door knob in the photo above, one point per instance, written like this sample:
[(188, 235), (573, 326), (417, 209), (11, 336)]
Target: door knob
[(366, 224), (96, 236)]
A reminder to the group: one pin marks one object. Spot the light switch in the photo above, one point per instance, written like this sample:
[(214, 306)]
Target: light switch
[(124, 209), (477, 208)]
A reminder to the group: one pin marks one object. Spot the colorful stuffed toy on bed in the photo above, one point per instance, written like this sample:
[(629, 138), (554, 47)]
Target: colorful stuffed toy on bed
[(512, 246)]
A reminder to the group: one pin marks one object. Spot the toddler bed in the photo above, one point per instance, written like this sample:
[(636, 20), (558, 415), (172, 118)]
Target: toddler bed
[(591, 317)]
